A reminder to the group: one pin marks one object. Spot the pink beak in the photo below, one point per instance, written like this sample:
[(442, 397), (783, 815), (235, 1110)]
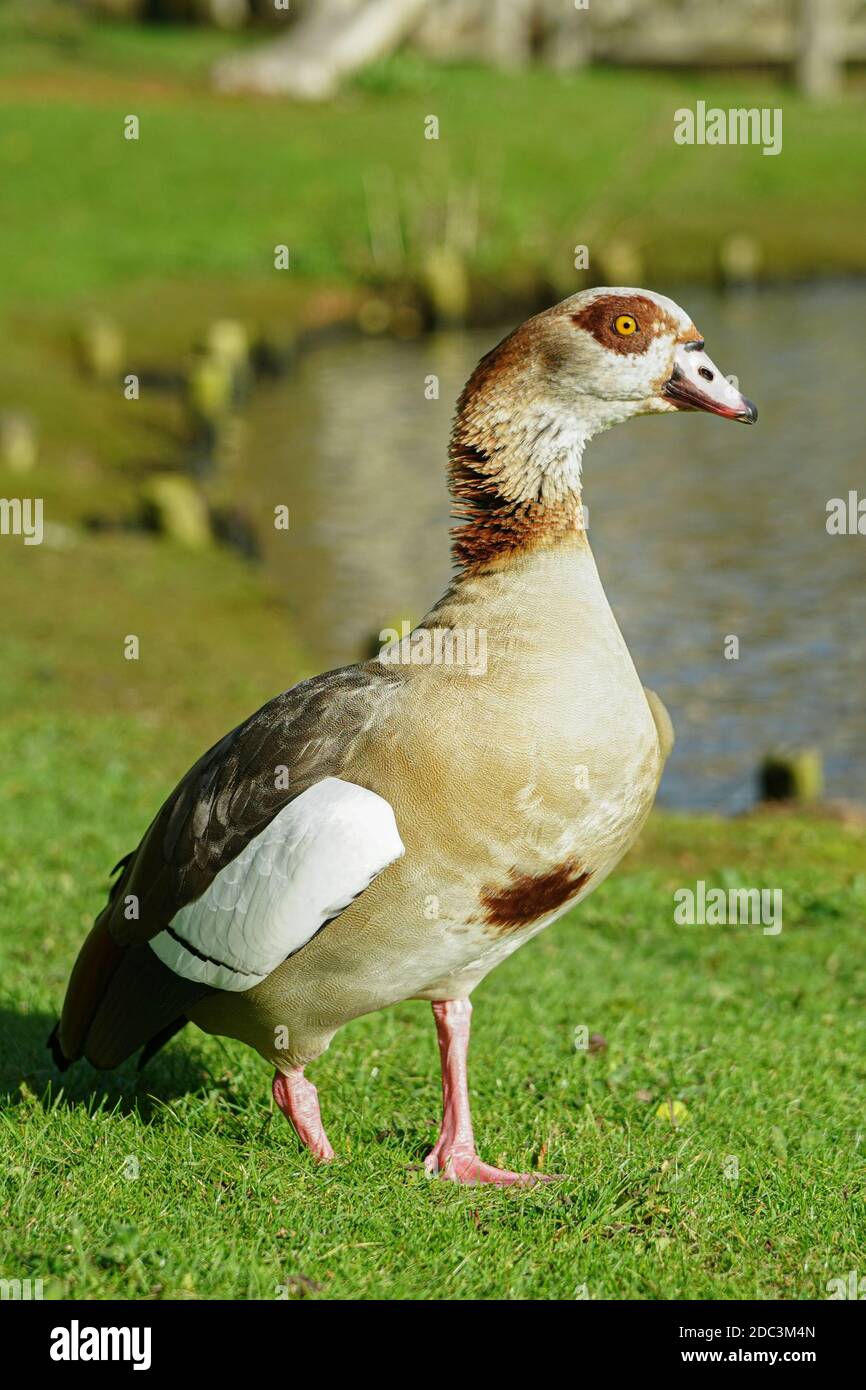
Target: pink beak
[(697, 384)]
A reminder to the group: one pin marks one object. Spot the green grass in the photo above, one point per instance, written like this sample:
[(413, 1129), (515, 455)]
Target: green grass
[(173, 230), (761, 1038), (54, 36), (214, 183)]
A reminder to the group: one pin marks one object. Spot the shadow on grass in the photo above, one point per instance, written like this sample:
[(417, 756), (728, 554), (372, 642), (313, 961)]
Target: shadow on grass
[(27, 1071)]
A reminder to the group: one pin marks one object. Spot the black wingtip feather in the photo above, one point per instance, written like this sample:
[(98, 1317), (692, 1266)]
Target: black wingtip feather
[(61, 1062), (160, 1039)]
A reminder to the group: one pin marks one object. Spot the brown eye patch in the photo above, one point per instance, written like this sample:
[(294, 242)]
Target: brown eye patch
[(599, 318)]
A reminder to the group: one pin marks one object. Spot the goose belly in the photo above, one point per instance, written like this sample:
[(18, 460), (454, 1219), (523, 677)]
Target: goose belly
[(556, 838), (500, 841), (515, 793), (484, 871)]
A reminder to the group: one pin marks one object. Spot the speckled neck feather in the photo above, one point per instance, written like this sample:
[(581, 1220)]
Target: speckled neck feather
[(515, 458), (492, 527)]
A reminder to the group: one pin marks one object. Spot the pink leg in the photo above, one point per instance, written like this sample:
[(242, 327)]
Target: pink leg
[(299, 1101), (454, 1155)]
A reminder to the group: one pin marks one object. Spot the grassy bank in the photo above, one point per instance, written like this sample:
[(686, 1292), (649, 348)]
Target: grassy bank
[(184, 1183), (170, 231), (212, 184)]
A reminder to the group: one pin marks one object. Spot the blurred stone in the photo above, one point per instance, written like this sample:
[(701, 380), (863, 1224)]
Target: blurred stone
[(178, 510), (447, 284), (791, 776), (374, 316), (18, 442), (228, 341), (739, 260), (210, 388), (228, 344), (100, 346)]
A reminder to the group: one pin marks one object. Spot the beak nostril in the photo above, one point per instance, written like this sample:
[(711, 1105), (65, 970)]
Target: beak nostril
[(705, 373)]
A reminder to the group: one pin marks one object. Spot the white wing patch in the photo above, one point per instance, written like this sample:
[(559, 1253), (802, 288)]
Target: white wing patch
[(307, 865)]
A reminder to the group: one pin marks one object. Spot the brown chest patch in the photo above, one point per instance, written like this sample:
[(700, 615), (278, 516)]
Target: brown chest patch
[(530, 896), (491, 526)]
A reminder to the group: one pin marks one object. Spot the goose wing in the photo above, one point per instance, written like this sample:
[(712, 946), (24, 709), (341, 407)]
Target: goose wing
[(260, 844)]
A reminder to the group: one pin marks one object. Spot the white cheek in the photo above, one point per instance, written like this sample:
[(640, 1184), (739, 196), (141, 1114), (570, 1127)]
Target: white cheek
[(639, 375), (659, 360)]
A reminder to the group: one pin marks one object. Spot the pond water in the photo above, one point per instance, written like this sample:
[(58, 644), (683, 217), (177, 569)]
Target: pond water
[(700, 528)]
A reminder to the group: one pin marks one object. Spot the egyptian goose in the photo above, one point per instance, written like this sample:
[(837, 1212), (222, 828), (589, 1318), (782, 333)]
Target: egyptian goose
[(393, 830)]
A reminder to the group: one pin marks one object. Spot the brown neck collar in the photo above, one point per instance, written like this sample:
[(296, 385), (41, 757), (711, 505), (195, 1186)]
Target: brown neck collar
[(491, 528)]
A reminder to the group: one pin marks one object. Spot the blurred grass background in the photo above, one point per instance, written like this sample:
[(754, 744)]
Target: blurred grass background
[(177, 228), (552, 155)]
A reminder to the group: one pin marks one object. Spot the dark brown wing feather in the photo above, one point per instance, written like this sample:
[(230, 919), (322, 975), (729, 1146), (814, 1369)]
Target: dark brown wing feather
[(120, 995)]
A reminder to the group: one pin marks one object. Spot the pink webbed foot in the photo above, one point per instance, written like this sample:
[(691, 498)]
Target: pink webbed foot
[(467, 1168), (453, 1157), (299, 1101)]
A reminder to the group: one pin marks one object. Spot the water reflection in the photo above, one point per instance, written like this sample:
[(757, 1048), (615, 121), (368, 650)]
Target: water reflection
[(701, 528)]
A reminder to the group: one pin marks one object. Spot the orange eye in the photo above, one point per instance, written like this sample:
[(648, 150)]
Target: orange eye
[(625, 325)]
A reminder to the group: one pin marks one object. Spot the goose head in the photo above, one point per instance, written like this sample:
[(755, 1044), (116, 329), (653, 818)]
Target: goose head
[(527, 412)]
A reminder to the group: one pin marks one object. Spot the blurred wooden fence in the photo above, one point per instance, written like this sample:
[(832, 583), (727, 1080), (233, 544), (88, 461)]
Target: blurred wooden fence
[(815, 38), (649, 32)]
